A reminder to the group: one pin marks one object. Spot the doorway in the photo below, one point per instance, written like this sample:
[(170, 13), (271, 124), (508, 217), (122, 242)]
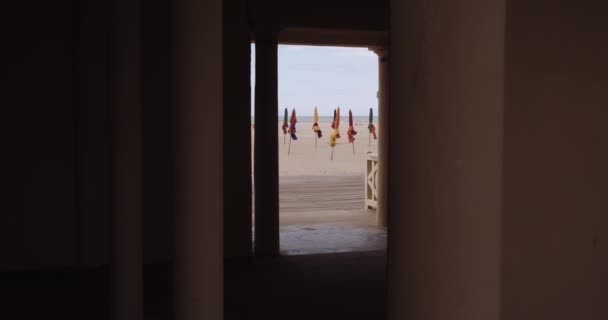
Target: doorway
[(323, 180)]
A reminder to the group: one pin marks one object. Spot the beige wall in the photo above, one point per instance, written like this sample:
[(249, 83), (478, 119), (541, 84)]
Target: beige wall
[(456, 252), (445, 143), (555, 222)]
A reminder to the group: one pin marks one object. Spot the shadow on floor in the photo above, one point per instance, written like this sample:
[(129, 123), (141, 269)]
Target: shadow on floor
[(323, 286)]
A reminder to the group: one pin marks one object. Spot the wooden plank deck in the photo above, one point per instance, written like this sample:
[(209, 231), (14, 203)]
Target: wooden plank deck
[(326, 214), (321, 193), (323, 199)]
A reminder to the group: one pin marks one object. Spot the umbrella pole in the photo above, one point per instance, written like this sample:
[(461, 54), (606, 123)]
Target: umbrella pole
[(289, 147), (353, 147), (332, 153), (316, 138), (369, 139), (284, 136)]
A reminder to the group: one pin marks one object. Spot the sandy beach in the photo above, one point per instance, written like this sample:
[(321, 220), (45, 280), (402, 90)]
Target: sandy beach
[(305, 159)]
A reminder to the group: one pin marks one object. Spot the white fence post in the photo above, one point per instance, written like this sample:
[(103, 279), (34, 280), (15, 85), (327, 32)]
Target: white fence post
[(371, 174)]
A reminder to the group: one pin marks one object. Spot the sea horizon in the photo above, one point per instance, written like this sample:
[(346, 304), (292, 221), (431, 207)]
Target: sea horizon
[(329, 119)]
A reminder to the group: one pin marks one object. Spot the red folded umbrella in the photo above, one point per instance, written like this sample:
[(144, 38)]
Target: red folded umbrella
[(351, 130), (292, 125)]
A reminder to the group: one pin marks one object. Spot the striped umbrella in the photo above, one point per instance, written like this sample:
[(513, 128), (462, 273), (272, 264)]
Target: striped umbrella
[(371, 127), (335, 133), (351, 130), (285, 125), (315, 126), (292, 129)]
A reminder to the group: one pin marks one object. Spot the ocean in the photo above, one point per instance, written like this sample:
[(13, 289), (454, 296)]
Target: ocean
[(329, 119)]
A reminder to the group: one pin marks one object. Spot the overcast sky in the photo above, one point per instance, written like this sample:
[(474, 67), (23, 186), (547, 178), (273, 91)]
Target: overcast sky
[(326, 77)]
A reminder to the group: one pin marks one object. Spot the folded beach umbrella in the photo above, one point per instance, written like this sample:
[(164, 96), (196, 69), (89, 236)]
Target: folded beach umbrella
[(351, 130), (285, 125), (335, 133), (292, 129), (292, 125), (371, 128), (315, 125), (338, 121)]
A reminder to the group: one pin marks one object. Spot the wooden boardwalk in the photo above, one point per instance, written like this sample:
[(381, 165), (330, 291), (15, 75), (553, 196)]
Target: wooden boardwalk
[(321, 193), (325, 214), (323, 199)]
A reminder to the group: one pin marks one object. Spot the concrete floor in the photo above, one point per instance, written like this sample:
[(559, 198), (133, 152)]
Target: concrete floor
[(330, 238), (325, 214)]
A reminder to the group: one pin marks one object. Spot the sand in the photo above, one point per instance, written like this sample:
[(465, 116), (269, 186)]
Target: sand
[(305, 159)]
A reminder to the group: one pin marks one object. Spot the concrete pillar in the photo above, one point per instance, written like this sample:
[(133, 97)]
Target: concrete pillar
[(446, 135), (237, 130), (127, 281), (383, 136), (266, 149), (198, 160)]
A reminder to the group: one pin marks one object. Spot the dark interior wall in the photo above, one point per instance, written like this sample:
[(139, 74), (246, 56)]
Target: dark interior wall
[(93, 134), (158, 152), (57, 157), (237, 130), (555, 221), (330, 14), (38, 221)]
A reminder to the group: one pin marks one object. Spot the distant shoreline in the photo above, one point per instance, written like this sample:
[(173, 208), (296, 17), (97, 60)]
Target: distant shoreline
[(328, 119)]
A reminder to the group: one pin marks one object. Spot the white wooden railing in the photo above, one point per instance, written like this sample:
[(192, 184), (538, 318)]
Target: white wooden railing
[(371, 175)]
